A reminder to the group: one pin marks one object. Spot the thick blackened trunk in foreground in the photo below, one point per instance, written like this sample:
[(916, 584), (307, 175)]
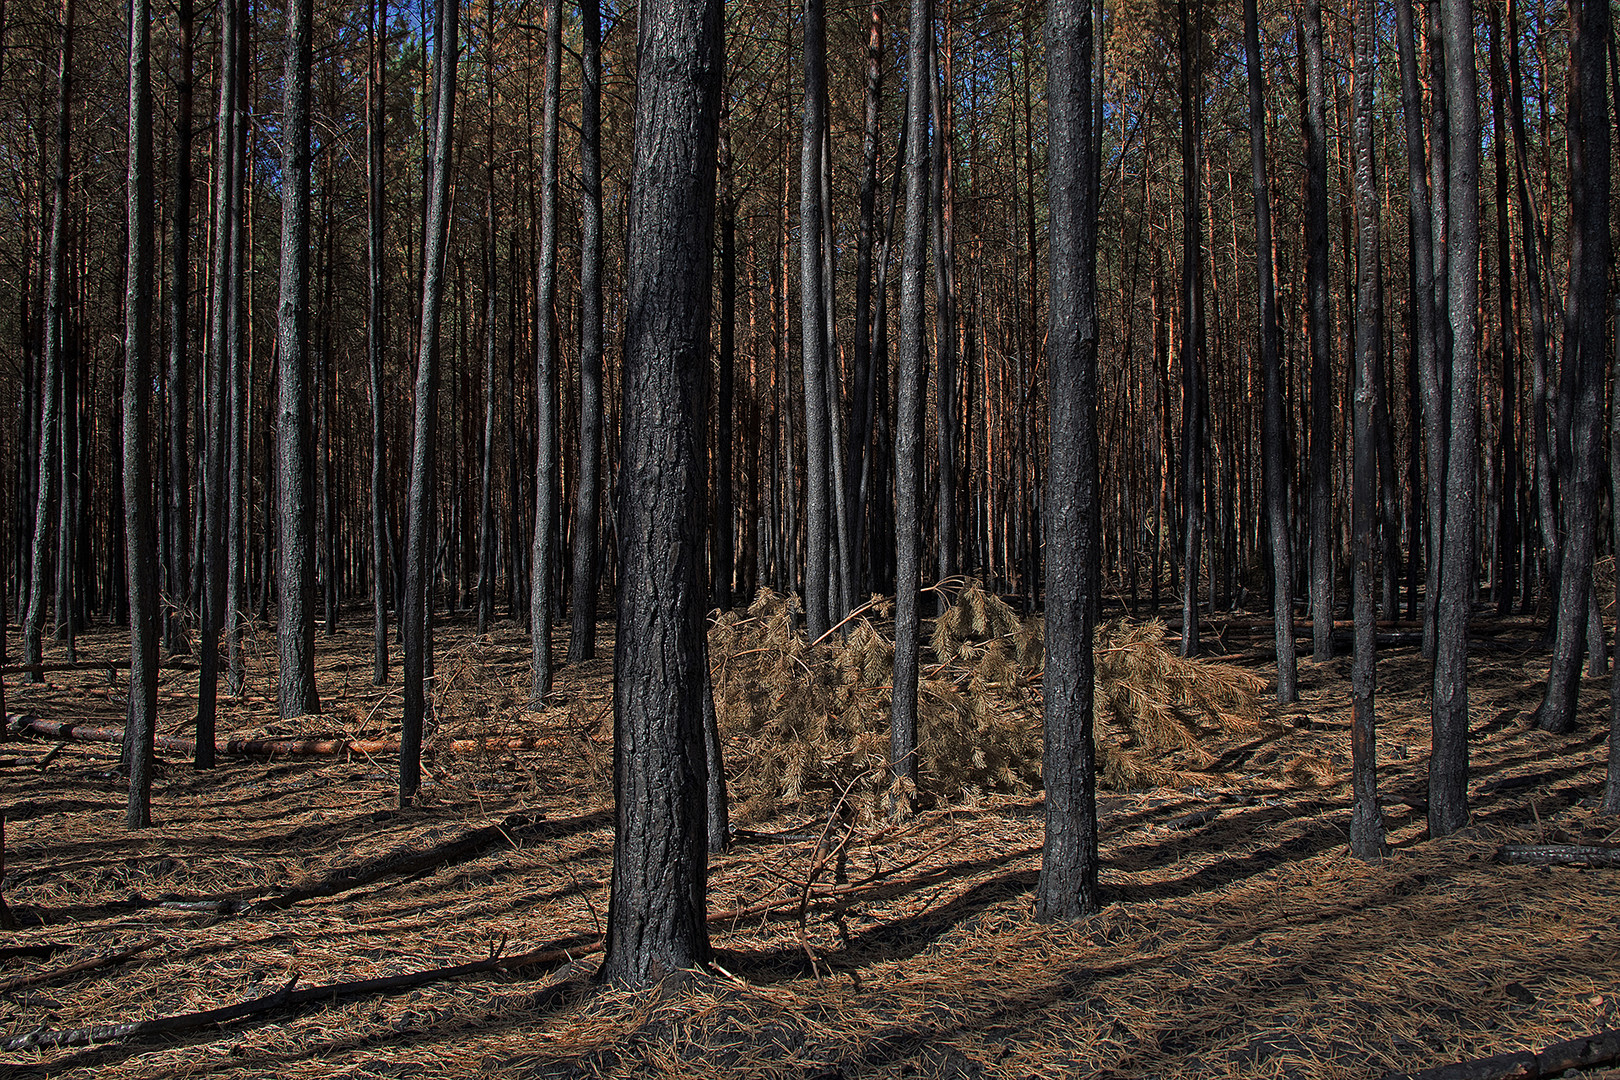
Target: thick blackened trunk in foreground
[(1366, 820), (1273, 437), (1448, 761), (908, 411), (1067, 887), (582, 636), (656, 921), (1589, 203), (141, 551), (295, 476), (419, 498)]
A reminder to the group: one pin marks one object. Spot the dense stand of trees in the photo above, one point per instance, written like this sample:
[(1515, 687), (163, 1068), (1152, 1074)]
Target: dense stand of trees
[(1149, 354)]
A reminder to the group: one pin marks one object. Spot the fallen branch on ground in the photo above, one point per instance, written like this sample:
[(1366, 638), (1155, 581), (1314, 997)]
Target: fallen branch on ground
[(1586, 1052), (89, 963), (1593, 855)]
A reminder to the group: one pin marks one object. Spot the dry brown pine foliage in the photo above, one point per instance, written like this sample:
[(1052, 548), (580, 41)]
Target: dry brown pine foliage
[(808, 723)]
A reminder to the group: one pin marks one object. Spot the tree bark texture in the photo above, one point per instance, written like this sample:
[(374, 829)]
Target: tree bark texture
[(1366, 820), (582, 637), (812, 319), (141, 549), (1448, 762), (1067, 886), (1192, 307), (542, 568), (656, 924), (295, 475), (51, 418), (1586, 365), (1273, 437), (1320, 331), (419, 497), (908, 413)]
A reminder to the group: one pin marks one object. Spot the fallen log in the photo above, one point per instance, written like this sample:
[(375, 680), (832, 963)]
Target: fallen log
[(89, 963), (1598, 856), (315, 746), (1586, 1052)]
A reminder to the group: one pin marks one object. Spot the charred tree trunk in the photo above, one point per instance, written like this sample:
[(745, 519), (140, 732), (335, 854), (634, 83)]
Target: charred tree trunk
[(1589, 284), (178, 489), (1274, 446), (656, 923), (54, 331), (1366, 820), (1067, 887), (1448, 762), (721, 549), (418, 558), (1320, 330), (376, 221), (211, 532), (295, 487), (1192, 318), (141, 551), (542, 570), (908, 414), (582, 637), (812, 317)]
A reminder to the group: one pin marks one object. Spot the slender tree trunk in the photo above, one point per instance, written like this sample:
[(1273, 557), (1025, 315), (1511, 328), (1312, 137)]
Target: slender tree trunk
[(721, 550), (1192, 317), (863, 420), (1274, 448), (1319, 323), (908, 415), (946, 415), (376, 221), (236, 388), (1366, 819), (141, 551), (542, 570), (1067, 887), (418, 560), (178, 493), (656, 923), (812, 318), (295, 502), (1589, 202), (52, 419), (1543, 476), (211, 427), (1611, 788), (1422, 300), (1507, 446), (582, 638), (1448, 762), (486, 491)]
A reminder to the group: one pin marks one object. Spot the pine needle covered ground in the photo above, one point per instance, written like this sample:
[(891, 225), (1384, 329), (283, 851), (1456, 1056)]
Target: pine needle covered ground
[(1239, 939)]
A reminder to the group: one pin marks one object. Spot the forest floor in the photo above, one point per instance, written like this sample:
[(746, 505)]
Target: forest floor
[(1239, 938)]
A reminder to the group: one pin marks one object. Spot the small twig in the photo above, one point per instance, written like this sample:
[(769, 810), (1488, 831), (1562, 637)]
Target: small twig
[(89, 963)]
